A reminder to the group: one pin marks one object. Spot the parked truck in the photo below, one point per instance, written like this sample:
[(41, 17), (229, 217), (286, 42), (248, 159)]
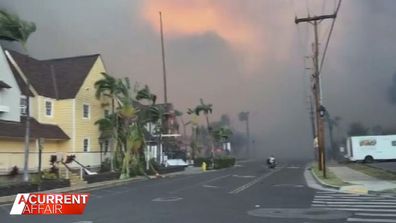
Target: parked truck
[(370, 148)]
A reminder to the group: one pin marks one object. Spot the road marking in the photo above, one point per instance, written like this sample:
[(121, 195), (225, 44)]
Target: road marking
[(288, 185), (351, 202), (239, 176), (253, 182), (363, 209), (375, 214), (354, 200), (371, 220), (293, 167), (215, 179), (210, 186), (167, 199), (354, 206)]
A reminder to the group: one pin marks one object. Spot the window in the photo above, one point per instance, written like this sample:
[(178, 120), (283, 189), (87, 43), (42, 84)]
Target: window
[(86, 145), (23, 106), (48, 108), (393, 143), (86, 111)]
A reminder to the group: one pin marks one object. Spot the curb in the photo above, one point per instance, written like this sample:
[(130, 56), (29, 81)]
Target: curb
[(319, 181)]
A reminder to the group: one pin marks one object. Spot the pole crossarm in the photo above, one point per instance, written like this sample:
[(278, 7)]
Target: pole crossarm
[(315, 18)]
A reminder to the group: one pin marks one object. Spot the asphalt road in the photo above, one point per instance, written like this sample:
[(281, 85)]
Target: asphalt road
[(247, 193), (389, 166)]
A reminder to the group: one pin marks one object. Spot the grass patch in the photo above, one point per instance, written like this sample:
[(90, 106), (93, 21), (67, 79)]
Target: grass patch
[(331, 178), (372, 171)]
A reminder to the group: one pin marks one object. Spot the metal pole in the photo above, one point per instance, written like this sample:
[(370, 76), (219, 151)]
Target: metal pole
[(163, 60)]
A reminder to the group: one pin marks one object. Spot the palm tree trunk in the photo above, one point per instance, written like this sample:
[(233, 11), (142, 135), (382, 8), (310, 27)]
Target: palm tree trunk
[(210, 139), (113, 144)]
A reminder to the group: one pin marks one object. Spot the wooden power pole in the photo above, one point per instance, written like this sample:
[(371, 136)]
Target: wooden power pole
[(315, 20)]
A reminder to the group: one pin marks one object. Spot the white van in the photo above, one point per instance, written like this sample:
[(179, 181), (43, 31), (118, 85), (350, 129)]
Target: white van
[(370, 148)]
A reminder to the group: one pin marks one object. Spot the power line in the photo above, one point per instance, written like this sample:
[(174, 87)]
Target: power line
[(328, 37)]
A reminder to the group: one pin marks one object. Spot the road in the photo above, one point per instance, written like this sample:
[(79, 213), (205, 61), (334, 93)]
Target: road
[(389, 166), (247, 193)]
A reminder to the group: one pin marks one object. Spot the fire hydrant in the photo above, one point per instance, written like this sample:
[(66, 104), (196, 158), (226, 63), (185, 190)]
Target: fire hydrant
[(204, 165)]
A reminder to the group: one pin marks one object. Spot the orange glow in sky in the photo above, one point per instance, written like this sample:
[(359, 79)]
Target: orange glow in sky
[(196, 17)]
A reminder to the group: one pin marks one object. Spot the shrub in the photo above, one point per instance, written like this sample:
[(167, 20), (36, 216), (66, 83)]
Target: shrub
[(14, 171), (198, 161), (49, 174), (105, 165), (224, 162)]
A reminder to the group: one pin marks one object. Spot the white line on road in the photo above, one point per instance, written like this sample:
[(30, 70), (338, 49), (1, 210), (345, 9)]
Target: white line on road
[(351, 202), (375, 214), (363, 209), (357, 206), (356, 200), (253, 182), (371, 220), (209, 186)]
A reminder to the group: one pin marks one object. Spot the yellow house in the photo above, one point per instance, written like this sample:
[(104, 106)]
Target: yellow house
[(63, 111)]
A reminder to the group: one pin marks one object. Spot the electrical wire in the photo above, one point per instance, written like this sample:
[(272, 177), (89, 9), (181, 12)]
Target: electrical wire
[(328, 37)]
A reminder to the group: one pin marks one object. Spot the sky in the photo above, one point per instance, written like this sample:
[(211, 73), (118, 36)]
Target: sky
[(239, 55)]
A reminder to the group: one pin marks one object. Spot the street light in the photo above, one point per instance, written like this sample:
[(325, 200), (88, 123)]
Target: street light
[(322, 111)]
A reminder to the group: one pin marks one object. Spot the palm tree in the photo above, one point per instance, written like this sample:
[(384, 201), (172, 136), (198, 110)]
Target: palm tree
[(244, 117), (145, 94), (111, 88), (206, 109), (12, 28)]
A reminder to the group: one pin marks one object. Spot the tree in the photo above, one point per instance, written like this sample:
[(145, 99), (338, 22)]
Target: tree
[(206, 109), (12, 28), (110, 88), (145, 94), (244, 117)]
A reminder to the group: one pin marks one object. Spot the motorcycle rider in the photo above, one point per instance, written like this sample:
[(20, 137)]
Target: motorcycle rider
[(271, 162)]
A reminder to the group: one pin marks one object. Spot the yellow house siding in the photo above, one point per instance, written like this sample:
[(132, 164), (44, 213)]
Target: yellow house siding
[(12, 154), (85, 127)]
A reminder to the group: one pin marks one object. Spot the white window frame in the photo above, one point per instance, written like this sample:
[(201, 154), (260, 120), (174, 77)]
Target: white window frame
[(23, 107), (88, 144), (45, 107), (89, 111)]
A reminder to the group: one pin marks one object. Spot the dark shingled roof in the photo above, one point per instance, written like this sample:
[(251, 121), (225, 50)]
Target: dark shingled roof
[(37, 130), (56, 78), (4, 85)]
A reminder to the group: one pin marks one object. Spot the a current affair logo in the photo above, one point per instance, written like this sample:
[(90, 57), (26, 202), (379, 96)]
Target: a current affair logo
[(49, 204)]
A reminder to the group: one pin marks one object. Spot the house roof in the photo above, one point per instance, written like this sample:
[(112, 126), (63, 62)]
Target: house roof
[(37, 130), (56, 78), (4, 85)]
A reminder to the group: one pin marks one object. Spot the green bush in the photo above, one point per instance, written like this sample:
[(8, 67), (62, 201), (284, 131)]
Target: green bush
[(224, 162), (198, 161), (105, 166)]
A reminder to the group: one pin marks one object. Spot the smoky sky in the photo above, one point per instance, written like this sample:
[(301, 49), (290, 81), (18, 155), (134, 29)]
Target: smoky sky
[(239, 55)]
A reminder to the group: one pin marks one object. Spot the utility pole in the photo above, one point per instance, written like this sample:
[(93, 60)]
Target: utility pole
[(163, 60), (315, 20)]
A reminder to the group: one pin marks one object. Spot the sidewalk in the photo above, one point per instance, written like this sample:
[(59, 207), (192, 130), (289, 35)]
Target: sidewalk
[(354, 181), (359, 179)]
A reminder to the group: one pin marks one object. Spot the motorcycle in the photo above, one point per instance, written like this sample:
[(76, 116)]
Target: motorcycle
[(271, 163)]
